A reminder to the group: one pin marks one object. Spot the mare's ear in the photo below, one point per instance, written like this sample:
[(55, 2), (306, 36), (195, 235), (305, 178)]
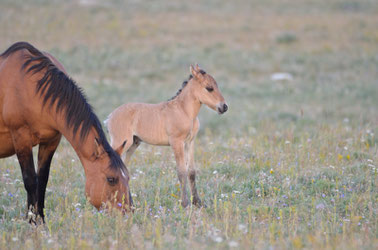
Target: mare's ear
[(119, 150), (99, 150), (196, 72)]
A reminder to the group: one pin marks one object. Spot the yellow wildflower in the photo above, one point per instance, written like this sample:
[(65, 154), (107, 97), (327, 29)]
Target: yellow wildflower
[(339, 157)]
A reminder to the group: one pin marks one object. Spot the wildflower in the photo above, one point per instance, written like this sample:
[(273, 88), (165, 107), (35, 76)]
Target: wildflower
[(119, 204), (10, 195), (271, 171), (218, 239), (233, 244), (224, 195), (348, 157), (242, 228), (323, 195), (257, 190), (339, 157), (320, 206), (174, 196)]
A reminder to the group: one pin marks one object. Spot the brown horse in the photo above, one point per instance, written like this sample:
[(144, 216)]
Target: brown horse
[(38, 104), (173, 123)]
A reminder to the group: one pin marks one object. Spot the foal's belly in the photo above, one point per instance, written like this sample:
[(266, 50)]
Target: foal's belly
[(154, 139)]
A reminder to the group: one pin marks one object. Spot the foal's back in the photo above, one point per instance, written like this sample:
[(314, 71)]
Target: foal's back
[(146, 121)]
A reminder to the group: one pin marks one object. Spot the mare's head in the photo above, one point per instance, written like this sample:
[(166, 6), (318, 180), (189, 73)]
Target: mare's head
[(107, 179), (206, 90)]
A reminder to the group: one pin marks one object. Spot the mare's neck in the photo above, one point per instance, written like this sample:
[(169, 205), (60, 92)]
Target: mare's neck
[(84, 148), (188, 102)]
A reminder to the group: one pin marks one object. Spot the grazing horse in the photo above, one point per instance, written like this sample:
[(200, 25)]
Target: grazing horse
[(172, 123), (38, 104)]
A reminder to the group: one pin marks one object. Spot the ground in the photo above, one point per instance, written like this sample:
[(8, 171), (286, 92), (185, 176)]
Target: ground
[(292, 164)]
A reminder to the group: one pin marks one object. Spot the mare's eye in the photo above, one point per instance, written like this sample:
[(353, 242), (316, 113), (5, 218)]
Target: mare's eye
[(112, 180), (210, 89)]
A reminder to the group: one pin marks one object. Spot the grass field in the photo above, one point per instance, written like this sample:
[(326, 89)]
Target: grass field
[(292, 164)]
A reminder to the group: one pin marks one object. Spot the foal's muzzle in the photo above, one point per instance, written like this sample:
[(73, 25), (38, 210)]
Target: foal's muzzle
[(222, 108)]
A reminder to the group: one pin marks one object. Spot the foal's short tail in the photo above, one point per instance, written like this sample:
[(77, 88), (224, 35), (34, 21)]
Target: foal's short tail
[(106, 123)]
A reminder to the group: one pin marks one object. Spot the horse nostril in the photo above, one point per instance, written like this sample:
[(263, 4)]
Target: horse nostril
[(225, 107)]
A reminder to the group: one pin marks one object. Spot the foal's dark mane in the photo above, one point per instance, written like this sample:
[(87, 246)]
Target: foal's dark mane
[(184, 83), (56, 87)]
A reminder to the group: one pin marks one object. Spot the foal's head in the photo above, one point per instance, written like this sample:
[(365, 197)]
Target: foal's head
[(206, 90), (107, 180)]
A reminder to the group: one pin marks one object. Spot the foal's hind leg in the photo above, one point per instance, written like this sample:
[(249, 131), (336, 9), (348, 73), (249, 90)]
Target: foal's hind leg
[(131, 150), (45, 154), (23, 146)]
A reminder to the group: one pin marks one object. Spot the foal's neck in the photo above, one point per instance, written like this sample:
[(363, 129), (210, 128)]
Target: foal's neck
[(188, 102)]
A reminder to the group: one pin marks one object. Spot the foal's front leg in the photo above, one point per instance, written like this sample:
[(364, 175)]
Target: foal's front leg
[(23, 146), (192, 175), (182, 170)]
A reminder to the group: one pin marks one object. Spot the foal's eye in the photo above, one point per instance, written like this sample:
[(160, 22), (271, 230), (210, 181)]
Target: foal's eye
[(210, 89), (112, 180)]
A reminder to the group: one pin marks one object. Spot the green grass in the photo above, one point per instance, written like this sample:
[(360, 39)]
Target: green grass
[(292, 164)]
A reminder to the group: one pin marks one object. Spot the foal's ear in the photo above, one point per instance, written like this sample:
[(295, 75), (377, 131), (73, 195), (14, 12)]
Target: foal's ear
[(196, 71), (197, 67), (98, 149), (119, 150)]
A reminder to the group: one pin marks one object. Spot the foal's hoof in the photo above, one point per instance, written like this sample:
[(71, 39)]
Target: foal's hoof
[(198, 203), (184, 204)]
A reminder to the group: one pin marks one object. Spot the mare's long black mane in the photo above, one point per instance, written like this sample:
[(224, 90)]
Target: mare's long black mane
[(56, 87)]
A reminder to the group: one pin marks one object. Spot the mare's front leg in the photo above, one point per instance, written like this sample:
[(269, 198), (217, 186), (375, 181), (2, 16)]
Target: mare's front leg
[(182, 171), (192, 175), (22, 143), (45, 154)]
